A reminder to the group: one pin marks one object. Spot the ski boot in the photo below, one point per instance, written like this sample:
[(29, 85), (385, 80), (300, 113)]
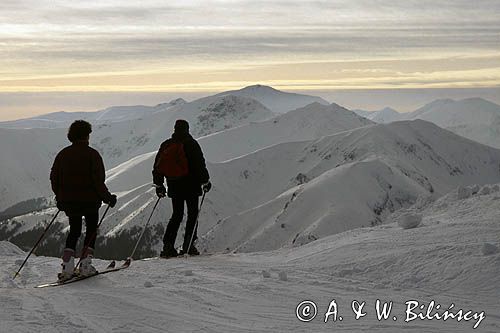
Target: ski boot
[(68, 265), (86, 268), (193, 251), (168, 252)]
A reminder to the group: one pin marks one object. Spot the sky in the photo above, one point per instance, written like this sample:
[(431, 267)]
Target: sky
[(55, 49)]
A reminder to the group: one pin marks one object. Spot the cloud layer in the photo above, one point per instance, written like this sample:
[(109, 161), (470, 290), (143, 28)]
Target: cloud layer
[(194, 45)]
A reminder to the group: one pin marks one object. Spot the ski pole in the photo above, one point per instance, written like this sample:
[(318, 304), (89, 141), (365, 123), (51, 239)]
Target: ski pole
[(196, 223), (144, 229), (86, 246), (36, 244)]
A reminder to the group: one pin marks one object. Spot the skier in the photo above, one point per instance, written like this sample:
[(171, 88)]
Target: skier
[(77, 178), (180, 160)]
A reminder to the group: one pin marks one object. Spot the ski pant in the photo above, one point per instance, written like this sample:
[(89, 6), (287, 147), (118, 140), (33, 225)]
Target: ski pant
[(176, 219), (75, 228)]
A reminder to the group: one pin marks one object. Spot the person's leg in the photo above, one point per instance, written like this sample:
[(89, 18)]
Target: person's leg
[(75, 230), (91, 220), (192, 207), (68, 257), (173, 224)]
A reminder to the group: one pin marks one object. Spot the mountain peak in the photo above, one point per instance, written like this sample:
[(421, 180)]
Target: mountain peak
[(439, 102), (174, 102), (274, 99), (478, 100), (388, 109), (257, 87)]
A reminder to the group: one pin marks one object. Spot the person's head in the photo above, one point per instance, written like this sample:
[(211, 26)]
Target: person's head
[(79, 131), (181, 126)]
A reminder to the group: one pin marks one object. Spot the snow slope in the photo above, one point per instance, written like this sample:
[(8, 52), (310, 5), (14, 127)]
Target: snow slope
[(349, 180), (473, 118), (441, 260), (310, 122), (24, 166), (276, 100)]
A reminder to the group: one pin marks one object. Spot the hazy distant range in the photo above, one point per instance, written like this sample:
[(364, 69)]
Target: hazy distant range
[(23, 104)]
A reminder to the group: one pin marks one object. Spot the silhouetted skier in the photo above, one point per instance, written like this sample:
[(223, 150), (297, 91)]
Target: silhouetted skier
[(180, 160), (77, 179)]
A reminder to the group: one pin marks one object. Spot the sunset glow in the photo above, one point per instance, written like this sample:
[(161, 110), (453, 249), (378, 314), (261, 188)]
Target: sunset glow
[(206, 46)]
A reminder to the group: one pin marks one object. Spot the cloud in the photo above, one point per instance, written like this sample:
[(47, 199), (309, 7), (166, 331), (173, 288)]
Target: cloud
[(43, 38)]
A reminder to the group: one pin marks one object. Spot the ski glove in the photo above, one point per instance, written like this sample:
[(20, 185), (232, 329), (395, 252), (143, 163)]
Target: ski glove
[(207, 186), (111, 201), (161, 191)]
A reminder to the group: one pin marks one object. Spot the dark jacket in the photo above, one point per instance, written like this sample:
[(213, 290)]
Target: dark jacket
[(198, 174), (77, 176)]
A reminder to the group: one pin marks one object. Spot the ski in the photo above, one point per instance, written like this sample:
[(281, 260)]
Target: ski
[(182, 256), (111, 268)]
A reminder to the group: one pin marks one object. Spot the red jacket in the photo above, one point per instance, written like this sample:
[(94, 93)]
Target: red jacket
[(78, 175)]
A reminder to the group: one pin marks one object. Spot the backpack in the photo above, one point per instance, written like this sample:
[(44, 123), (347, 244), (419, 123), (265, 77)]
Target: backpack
[(173, 162)]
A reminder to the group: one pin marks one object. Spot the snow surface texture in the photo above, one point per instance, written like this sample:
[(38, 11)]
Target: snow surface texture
[(440, 260), (409, 221)]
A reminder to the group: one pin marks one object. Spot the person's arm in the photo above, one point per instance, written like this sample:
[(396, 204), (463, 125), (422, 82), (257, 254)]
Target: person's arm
[(158, 178), (199, 163), (54, 176), (99, 177)]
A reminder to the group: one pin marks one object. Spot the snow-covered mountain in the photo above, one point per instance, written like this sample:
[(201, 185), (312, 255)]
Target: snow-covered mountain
[(450, 113), (310, 122), (276, 100), (386, 115), (112, 114), (292, 193), (349, 180), (452, 257), (383, 116), (363, 113), (430, 107), (473, 118), (24, 174), (25, 163)]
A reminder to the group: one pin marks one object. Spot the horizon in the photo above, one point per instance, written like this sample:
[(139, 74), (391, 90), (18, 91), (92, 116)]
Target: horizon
[(195, 48), (401, 100)]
